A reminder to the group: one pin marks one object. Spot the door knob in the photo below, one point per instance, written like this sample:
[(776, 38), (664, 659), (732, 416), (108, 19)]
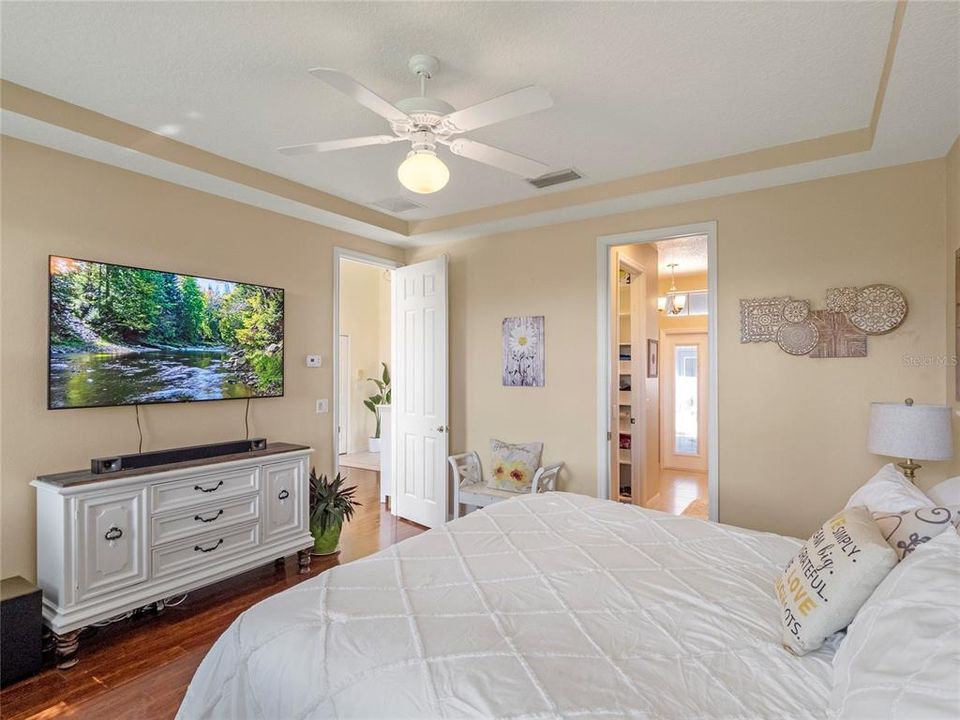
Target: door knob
[(443, 428)]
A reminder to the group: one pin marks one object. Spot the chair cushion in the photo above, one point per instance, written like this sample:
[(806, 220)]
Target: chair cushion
[(513, 465)]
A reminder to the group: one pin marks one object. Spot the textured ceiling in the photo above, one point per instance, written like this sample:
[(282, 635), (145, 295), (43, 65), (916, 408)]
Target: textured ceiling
[(689, 253), (638, 86)]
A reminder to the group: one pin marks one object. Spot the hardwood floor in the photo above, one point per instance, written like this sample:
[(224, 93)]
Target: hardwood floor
[(140, 668), (679, 491)]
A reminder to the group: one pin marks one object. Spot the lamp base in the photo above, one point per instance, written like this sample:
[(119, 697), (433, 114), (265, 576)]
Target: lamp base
[(909, 469)]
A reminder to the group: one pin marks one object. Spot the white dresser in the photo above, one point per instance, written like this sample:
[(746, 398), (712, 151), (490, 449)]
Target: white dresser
[(111, 543)]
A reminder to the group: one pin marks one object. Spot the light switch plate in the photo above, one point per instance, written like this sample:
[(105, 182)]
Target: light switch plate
[(323, 406), (313, 361)]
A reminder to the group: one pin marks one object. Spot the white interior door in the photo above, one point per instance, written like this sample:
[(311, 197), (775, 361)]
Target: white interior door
[(683, 409), (420, 441), (343, 397)]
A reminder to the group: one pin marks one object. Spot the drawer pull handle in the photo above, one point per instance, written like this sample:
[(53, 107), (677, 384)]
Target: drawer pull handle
[(197, 548), (203, 489), (209, 519), (113, 533), (283, 494)]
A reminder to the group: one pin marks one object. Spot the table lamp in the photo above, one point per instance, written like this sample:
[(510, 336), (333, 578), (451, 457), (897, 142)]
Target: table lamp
[(914, 432)]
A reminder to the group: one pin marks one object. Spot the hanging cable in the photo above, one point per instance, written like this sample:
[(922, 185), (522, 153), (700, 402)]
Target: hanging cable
[(246, 420), (136, 407)]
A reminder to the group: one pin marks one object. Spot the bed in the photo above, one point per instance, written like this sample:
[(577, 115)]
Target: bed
[(545, 606)]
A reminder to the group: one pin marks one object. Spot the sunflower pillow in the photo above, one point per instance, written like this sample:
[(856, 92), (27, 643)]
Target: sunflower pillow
[(514, 465)]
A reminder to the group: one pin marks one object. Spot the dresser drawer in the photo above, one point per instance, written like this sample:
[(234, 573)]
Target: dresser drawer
[(200, 490), (206, 550), (207, 518)]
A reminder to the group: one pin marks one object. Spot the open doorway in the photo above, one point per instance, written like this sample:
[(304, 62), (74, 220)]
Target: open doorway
[(362, 349), (683, 312), (393, 314), (657, 379)]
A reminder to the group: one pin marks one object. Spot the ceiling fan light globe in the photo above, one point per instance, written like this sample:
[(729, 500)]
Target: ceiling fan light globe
[(423, 172)]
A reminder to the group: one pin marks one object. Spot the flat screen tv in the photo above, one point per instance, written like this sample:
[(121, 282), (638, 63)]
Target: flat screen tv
[(123, 335)]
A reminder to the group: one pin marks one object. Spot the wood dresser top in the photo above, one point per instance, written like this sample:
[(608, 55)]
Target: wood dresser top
[(83, 477)]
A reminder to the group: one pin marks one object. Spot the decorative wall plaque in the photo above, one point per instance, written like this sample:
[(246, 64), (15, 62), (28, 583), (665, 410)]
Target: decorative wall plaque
[(880, 309), (839, 331), (760, 318), (523, 351), (839, 337), (798, 338), (842, 299), (796, 311)]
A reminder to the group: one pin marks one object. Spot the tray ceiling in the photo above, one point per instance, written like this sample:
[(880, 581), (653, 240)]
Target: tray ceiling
[(638, 87)]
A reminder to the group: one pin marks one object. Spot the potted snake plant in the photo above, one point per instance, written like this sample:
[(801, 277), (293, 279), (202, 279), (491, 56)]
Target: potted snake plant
[(331, 505)]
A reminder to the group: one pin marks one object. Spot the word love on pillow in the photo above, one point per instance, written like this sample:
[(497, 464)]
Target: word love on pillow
[(907, 530), (833, 574)]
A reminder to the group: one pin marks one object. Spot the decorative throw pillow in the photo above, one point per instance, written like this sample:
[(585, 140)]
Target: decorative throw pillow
[(889, 491), (907, 530), (514, 465), (900, 659), (831, 576)]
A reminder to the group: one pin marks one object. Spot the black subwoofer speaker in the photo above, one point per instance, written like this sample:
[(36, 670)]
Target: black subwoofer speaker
[(21, 629)]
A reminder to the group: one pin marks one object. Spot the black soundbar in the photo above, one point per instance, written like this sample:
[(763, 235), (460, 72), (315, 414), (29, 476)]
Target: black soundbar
[(117, 463)]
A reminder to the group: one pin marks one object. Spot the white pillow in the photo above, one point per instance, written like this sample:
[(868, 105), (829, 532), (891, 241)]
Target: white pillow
[(901, 657), (890, 492), (831, 576), (947, 492)]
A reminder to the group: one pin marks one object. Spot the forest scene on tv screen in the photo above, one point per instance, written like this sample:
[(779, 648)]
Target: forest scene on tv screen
[(122, 336)]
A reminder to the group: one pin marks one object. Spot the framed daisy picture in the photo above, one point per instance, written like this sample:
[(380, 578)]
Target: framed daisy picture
[(523, 351)]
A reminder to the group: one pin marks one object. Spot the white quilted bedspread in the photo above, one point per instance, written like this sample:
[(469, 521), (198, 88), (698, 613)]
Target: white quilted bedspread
[(546, 606)]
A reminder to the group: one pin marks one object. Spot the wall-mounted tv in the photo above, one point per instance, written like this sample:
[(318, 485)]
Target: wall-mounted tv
[(124, 335)]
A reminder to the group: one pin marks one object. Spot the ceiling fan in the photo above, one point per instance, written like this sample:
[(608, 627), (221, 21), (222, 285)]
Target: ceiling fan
[(426, 122)]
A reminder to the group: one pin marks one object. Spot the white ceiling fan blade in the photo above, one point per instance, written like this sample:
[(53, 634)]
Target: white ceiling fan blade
[(489, 155), (366, 97), (513, 104), (327, 146)]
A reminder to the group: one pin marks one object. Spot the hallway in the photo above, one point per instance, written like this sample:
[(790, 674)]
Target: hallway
[(682, 493)]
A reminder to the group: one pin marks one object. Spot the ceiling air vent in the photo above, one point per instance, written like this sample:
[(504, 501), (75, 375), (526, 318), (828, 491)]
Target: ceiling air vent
[(555, 178), (396, 205)]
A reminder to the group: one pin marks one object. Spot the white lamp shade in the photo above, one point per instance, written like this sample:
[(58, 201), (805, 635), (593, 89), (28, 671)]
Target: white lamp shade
[(918, 432)]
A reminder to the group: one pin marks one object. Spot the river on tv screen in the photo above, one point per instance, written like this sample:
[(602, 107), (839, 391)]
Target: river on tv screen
[(124, 336)]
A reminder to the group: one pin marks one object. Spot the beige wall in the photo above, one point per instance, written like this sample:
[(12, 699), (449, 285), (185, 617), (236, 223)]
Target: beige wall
[(361, 319), (792, 430), (384, 297), (57, 203), (952, 350)]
